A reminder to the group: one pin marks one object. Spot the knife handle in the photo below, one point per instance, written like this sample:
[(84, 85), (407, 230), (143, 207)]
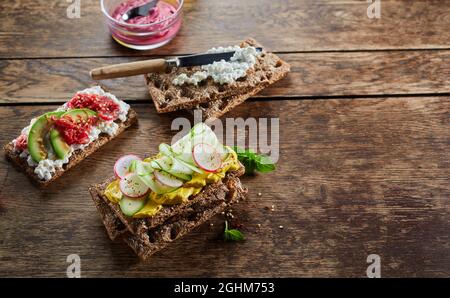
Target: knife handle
[(129, 69)]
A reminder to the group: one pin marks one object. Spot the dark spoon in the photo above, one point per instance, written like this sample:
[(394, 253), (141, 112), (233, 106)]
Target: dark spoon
[(139, 11)]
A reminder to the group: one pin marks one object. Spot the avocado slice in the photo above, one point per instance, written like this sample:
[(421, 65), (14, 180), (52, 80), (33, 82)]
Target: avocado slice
[(60, 147), (83, 114), (37, 134)]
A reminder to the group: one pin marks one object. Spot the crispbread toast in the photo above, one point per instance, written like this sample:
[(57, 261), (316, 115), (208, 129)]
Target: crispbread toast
[(78, 156), (214, 98), (147, 236)]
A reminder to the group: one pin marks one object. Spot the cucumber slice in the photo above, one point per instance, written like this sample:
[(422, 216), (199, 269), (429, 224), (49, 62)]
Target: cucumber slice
[(165, 149), (166, 164), (143, 168), (130, 206), (193, 168), (155, 185), (167, 180), (178, 167), (155, 165)]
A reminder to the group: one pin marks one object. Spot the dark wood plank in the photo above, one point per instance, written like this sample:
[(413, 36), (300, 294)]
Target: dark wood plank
[(313, 74), (290, 25), (355, 177)]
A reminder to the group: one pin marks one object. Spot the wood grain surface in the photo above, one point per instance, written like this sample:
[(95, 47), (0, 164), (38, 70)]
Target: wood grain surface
[(364, 140), (312, 74), (361, 176), (283, 26)]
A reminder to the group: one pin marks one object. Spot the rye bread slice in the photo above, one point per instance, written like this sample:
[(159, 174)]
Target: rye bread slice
[(167, 97), (141, 225), (212, 200), (78, 156)]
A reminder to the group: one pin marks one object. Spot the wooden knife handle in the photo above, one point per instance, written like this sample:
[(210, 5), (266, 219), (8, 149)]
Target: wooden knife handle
[(129, 69)]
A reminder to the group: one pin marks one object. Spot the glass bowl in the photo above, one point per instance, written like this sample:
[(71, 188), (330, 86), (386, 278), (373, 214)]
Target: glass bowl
[(139, 35)]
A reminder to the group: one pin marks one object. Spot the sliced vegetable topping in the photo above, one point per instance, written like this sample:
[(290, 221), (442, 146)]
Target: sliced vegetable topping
[(173, 166), (207, 157), (122, 165), (130, 206), (132, 186), (167, 179), (156, 186)]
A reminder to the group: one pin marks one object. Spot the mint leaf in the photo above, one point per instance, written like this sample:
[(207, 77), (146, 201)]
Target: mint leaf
[(264, 164), (253, 161), (232, 234)]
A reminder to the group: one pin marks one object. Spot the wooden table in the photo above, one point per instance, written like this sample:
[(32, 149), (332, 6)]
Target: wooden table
[(364, 135)]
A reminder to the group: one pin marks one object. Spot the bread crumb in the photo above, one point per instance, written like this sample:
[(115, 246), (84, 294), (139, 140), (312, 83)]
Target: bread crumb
[(259, 225), (281, 227), (259, 194)]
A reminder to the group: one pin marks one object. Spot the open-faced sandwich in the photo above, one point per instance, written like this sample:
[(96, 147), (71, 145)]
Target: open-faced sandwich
[(218, 87), (151, 202), (58, 140)]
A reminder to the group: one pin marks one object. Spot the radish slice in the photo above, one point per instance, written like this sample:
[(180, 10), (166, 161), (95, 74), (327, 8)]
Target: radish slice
[(132, 186), (122, 165), (167, 179), (207, 157)]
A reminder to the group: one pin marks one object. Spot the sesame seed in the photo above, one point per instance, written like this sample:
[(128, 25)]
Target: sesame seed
[(259, 225), (259, 194), (281, 227)]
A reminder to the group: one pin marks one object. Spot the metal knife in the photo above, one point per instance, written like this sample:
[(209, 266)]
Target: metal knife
[(157, 65)]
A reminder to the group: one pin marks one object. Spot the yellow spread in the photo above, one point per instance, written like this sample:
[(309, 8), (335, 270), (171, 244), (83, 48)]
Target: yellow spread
[(178, 196)]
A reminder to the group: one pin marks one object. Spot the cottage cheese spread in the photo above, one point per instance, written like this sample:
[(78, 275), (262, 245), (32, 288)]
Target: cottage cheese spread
[(108, 127), (223, 72), (47, 167)]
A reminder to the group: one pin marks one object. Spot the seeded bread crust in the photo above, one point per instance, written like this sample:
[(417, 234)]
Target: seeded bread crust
[(167, 97), (172, 222), (78, 156)]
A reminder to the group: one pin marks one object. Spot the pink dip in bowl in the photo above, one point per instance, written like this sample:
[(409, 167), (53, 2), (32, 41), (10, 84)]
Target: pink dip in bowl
[(143, 32)]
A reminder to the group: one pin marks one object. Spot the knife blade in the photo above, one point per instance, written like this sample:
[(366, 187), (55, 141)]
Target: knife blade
[(158, 65), (202, 59)]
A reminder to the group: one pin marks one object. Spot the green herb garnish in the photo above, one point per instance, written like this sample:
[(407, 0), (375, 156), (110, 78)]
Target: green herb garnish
[(232, 234), (254, 161)]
